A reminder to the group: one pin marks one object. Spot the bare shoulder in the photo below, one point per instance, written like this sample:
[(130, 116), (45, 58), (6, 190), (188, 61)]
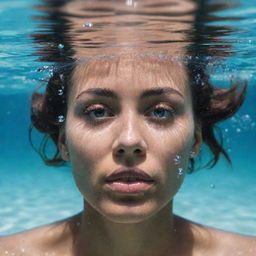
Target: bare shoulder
[(235, 244), (45, 240), (211, 241), (225, 243)]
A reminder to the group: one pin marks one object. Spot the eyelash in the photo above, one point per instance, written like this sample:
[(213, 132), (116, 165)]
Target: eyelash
[(168, 109), (90, 109)]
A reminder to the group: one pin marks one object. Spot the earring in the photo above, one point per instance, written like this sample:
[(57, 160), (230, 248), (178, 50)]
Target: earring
[(192, 154)]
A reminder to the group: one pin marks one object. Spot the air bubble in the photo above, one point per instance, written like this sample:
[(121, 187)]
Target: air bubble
[(61, 119), (88, 25), (61, 46), (22, 250), (6, 252), (180, 172), (60, 92), (177, 159), (212, 186), (192, 154), (238, 130)]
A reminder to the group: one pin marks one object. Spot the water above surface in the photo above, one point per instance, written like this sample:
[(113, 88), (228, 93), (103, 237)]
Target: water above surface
[(34, 39)]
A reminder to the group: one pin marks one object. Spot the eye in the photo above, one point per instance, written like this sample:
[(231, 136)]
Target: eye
[(96, 112), (162, 112)]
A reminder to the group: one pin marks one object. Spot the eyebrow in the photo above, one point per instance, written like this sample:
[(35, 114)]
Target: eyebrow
[(155, 91), (160, 91), (99, 92)]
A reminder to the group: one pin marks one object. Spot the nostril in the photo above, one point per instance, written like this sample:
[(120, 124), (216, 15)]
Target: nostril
[(137, 151), (120, 151)]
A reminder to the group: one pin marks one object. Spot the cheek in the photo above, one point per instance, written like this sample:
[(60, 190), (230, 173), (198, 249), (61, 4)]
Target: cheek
[(173, 145), (88, 149), (86, 144)]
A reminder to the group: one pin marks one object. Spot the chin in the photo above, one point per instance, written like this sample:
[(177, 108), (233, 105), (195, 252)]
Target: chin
[(128, 211)]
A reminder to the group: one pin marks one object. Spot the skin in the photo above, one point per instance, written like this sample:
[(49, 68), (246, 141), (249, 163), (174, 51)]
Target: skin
[(129, 132)]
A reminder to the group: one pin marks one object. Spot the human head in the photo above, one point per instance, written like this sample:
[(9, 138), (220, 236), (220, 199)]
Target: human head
[(94, 147)]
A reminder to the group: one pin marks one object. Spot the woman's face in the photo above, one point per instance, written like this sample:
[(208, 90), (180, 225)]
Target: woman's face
[(129, 113)]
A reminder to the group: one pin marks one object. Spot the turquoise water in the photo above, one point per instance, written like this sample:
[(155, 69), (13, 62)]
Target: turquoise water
[(32, 194)]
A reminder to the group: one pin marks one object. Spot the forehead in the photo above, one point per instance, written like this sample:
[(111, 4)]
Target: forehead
[(129, 72)]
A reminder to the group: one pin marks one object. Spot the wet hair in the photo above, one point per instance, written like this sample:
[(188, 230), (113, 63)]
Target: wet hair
[(211, 104)]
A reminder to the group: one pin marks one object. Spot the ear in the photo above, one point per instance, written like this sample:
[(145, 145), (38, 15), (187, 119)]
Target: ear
[(62, 145), (197, 138)]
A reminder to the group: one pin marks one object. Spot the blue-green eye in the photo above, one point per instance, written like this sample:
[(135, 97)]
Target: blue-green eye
[(162, 113), (95, 112)]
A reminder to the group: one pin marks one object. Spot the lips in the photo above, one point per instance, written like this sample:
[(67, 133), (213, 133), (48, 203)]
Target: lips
[(129, 181), (129, 175)]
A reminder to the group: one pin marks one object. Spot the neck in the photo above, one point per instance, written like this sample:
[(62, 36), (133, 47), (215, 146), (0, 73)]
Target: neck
[(98, 236)]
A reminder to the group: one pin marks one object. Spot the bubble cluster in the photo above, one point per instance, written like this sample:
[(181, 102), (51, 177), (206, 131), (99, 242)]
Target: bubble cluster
[(242, 123)]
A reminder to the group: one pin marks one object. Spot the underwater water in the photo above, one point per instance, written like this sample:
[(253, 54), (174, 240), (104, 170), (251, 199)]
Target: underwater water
[(32, 194)]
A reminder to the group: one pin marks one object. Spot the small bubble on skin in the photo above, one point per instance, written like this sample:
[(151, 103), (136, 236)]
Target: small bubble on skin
[(61, 119), (212, 186), (6, 252), (88, 25), (180, 172), (177, 159), (61, 46), (22, 250)]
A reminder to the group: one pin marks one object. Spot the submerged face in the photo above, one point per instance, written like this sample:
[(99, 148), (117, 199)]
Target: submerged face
[(129, 113)]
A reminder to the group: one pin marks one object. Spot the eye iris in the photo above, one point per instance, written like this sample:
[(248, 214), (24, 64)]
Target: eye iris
[(99, 112), (160, 112)]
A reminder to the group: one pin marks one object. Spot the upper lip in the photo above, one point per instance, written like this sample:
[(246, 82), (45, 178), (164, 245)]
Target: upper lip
[(129, 173)]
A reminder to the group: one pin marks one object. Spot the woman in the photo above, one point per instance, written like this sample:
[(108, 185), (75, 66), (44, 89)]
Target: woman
[(130, 126)]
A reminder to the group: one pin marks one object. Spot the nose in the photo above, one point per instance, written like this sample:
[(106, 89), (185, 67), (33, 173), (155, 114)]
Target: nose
[(129, 144)]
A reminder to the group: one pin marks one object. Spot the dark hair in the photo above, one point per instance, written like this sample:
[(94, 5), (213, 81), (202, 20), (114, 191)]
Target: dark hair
[(211, 104)]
